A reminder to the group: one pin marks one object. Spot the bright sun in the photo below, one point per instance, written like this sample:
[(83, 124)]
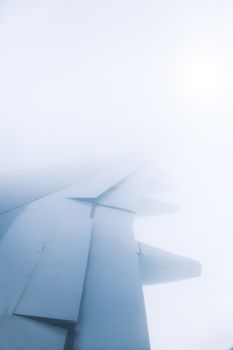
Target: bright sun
[(202, 78)]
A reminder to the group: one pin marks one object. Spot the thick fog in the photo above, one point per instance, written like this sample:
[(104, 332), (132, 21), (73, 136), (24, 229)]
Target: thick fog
[(150, 80)]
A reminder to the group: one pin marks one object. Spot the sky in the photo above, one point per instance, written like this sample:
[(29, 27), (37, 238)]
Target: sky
[(147, 79)]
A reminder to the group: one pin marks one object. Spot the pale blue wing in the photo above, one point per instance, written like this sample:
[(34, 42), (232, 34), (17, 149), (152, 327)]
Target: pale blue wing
[(70, 273), (112, 312)]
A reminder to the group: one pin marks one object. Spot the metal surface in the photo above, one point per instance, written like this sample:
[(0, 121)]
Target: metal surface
[(17, 333), (7, 219), (112, 314), (21, 247), (55, 286)]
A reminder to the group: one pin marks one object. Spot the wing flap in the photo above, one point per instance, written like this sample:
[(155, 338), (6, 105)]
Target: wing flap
[(54, 289), (21, 246), (17, 333)]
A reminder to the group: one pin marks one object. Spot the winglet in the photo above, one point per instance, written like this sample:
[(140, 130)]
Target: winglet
[(158, 266)]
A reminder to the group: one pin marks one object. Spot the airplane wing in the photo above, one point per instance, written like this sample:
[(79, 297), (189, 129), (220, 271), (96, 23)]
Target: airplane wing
[(70, 275)]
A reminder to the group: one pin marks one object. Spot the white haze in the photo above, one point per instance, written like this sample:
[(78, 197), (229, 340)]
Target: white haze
[(152, 79)]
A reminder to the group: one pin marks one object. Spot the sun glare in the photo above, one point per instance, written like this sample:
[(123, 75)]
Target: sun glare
[(202, 78)]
